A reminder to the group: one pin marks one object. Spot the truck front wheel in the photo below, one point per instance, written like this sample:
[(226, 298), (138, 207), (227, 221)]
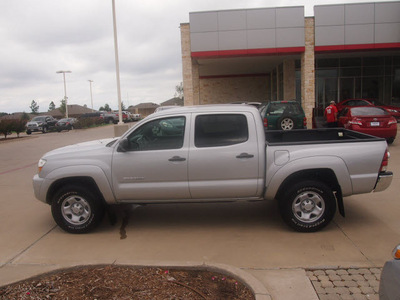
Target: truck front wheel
[(76, 210), (308, 206)]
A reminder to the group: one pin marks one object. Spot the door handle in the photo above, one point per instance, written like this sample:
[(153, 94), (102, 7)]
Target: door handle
[(245, 155), (177, 158)]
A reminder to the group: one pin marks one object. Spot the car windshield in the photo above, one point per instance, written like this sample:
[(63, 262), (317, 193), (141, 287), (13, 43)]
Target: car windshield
[(39, 119), (368, 111)]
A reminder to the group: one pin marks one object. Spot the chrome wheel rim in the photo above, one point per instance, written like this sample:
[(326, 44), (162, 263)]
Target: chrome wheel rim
[(287, 124), (76, 210), (308, 207)]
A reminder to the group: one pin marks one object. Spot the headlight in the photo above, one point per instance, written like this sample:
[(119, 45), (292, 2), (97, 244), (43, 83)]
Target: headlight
[(41, 164)]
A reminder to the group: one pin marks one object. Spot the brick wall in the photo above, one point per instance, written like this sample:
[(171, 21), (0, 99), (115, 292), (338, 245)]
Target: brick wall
[(233, 89)]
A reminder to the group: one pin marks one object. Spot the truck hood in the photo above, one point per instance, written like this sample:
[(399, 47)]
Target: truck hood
[(77, 149)]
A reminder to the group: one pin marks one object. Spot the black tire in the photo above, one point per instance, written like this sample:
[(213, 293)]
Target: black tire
[(28, 132), (286, 123), (390, 140), (308, 206), (77, 210)]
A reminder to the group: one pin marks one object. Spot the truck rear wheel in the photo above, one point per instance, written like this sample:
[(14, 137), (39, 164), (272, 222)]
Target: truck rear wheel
[(308, 206), (76, 210)]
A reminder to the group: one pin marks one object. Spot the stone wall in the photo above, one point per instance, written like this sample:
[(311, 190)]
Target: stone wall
[(308, 71)]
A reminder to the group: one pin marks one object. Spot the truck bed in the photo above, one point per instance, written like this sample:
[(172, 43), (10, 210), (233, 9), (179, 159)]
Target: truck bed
[(314, 136)]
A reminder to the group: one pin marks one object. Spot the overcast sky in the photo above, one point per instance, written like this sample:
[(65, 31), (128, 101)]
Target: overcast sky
[(41, 37)]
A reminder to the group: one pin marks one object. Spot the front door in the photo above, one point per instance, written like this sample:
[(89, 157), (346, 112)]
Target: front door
[(153, 165)]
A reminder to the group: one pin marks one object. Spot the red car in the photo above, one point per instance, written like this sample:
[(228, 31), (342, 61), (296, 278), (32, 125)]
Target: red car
[(370, 120), (393, 110)]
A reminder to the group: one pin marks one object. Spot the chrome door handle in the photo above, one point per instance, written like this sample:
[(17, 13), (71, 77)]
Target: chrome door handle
[(245, 155), (177, 158)]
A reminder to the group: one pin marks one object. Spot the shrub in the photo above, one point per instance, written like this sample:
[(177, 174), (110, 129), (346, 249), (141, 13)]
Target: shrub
[(6, 127), (88, 122)]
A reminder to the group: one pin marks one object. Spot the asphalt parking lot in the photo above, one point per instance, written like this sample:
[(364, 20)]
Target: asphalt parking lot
[(248, 236)]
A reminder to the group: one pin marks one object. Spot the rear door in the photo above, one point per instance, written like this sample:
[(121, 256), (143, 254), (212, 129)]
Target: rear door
[(224, 159)]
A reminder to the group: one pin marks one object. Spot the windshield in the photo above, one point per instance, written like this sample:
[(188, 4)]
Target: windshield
[(368, 111), (39, 119)]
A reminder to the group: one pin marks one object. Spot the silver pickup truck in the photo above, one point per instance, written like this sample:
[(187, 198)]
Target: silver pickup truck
[(214, 153)]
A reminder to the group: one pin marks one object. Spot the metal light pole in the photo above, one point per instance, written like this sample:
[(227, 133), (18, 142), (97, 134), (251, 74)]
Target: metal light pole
[(65, 92), (91, 95), (117, 63)]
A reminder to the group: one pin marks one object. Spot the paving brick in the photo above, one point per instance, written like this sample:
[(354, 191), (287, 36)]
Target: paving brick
[(376, 270), (365, 271), (354, 271), (357, 277), (319, 272), (334, 277), (326, 284), (342, 272), (354, 290), (366, 290), (323, 278), (350, 283), (339, 283)]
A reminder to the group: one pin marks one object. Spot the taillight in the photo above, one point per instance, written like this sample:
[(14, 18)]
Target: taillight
[(265, 122), (392, 121), (385, 161), (305, 122), (355, 122)]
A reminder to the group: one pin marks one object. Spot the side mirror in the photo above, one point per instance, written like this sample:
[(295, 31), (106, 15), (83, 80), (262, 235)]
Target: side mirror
[(123, 146)]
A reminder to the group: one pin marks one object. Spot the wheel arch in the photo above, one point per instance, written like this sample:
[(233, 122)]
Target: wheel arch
[(326, 176), (83, 181)]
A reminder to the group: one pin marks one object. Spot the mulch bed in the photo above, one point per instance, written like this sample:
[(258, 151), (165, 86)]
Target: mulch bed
[(125, 282)]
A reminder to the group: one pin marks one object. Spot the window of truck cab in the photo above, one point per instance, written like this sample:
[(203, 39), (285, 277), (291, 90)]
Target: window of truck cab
[(159, 134), (216, 130)]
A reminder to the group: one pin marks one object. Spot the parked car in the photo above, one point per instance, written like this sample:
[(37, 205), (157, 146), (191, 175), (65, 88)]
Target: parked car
[(65, 124), (389, 286), (393, 110), (283, 115), (352, 103), (370, 120), (40, 123), (209, 154)]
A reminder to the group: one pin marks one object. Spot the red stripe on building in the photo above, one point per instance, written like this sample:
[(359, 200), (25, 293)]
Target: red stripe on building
[(247, 52), (339, 48), (233, 76)]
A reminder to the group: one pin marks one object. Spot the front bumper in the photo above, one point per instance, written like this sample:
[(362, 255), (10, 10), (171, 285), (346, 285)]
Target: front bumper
[(384, 181), (39, 187)]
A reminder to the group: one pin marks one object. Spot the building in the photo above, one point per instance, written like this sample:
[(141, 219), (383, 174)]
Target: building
[(265, 54)]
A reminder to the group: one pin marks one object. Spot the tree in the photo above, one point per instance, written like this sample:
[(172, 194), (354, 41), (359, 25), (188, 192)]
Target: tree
[(34, 107), (52, 106), (19, 126), (105, 108), (179, 91), (62, 107)]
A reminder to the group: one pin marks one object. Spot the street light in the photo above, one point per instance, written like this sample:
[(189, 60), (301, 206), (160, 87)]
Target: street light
[(117, 63), (91, 96), (65, 91)]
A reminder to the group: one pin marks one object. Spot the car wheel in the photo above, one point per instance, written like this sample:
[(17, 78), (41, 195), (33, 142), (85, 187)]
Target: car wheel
[(28, 132), (308, 206), (44, 130), (286, 123), (76, 210)]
